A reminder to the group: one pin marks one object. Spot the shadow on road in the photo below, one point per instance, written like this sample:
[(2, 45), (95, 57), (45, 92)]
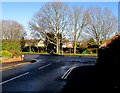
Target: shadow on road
[(104, 75)]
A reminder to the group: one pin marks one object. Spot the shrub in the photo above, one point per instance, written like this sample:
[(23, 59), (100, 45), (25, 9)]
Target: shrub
[(6, 54), (94, 50), (9, 46), (87, 52), (13, 48), (16, 53), (81, 49)]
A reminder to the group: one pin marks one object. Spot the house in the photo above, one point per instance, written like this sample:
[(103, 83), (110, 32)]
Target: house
[(37, 43), (41, 43), (31, 42), (110, 41), (67, 45)]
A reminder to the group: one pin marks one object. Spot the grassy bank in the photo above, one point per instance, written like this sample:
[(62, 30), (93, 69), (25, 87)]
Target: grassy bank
[(35, 53), (82, 54), (63, 54)]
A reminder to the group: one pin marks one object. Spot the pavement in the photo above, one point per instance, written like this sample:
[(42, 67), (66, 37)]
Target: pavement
[(6, 66), (49, 74), (93, 77)]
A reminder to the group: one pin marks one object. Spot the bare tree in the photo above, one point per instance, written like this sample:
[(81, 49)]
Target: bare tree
[(53, 17), (79, 22), (12, 30), (102, 24)]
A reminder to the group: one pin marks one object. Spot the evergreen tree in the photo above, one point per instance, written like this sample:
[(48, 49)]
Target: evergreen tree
[(22, 43)]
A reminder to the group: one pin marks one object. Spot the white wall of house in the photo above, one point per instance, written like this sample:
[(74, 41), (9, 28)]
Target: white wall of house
[(41, 44), (64, 46)]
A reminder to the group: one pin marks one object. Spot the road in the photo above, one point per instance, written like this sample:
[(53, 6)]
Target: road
[(47, 75)]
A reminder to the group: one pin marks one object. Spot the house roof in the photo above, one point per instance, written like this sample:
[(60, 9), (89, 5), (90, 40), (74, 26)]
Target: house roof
[(32, 41), (110, 41)]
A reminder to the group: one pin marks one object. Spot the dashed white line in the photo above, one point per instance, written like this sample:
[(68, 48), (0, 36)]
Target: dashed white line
[(58, 60), (14, 78), (45, 66)]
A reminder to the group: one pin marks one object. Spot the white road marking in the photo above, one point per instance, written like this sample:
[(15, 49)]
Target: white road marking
[(37, 61), (34, 62), (58, 60), (14, 78), (45, 66), (66, 74)]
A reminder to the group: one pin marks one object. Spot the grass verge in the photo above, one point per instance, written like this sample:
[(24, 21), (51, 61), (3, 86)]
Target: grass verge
[(62, 54)]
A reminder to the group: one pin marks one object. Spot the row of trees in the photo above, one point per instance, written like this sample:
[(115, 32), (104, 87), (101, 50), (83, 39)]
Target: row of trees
[(57, 20), (12, 30), (73, 22)]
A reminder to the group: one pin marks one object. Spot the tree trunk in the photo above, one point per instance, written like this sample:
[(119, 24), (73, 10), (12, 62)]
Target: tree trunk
[(57, 46), (30, 49), (75, 47), (57, 31), (38, 49), (75, 39)]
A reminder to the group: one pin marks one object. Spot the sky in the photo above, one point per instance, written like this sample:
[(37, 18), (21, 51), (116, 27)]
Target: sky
[(22, 12), (60, 0)]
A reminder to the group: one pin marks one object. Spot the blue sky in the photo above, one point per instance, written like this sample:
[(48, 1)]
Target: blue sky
[(22, 12)]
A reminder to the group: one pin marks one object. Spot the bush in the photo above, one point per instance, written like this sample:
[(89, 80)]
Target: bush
[(12, 47), (16, 53), (6, 54), (87, 52), (81, 49), (9, 46), (94, 50)]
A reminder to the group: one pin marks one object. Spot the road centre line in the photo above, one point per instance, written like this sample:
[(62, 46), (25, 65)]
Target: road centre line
[(45, 66), (22, 75), (58, 60), (14, 78)]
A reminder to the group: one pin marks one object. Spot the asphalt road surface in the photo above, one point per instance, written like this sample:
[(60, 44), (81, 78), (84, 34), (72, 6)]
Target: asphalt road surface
[(48, 74)]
